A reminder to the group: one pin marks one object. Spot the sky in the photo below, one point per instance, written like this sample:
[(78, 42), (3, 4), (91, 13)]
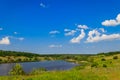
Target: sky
[(60, 26)]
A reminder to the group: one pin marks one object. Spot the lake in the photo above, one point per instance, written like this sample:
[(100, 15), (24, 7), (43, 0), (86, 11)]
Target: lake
[(29, 66)]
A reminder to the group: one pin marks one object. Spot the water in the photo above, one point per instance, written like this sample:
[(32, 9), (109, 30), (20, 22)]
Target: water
[(29, 66)]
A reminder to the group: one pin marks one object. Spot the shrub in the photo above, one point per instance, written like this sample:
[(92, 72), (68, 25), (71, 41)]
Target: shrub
[(103, 59), (104, 65), (35, 59), (115, 57), (19, 60), (110, 62), (25, 59), (94, 65), (0, 60), (17, 70)]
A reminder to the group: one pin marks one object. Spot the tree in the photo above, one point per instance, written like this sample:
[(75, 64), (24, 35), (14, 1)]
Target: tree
[(17, 70)]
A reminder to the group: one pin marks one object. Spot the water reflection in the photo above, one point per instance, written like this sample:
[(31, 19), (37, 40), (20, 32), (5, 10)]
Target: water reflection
[(29, 66)]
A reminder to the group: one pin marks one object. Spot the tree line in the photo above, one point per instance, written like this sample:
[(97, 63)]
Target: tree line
[(15, 53)]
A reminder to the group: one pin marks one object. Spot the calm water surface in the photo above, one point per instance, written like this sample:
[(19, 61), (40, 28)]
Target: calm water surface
[(29, 66)]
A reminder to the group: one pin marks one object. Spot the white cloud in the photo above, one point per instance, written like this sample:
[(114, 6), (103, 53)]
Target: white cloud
[(70, 33), (78, 39), (5, 41), (42, 5), (66, 30), (102, 29), (17, 38), (78, 29), (95, 36), (112, 22), (15, 32), (54, 32), (83, 26), (55, 46), (1, 29), (21, 38), (118, 18)]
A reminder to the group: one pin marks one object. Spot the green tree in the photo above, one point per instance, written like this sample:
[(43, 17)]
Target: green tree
[(17, 70)]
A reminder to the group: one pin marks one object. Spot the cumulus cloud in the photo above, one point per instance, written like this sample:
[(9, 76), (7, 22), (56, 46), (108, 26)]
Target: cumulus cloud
[(102, 29), (83, 26), (54, 32), (55, 46), (5, 41), (79, 38), (95, 36), (118, 18), (112, 22), (42, 5), (66, 30), (70, 33)]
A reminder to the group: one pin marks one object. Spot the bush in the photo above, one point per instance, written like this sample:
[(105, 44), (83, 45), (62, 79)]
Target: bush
[(94, 65), (104, 65), (19, 60), (25, 59), (115, 57), (35, 59), (110, 62), (0, 60), (103, 59), (17, 70)]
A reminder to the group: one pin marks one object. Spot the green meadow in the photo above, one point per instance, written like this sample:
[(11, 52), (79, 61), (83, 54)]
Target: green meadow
[(102, 66)]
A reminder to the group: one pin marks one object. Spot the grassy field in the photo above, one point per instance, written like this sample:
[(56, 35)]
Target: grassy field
[(84, 74), (95, 67)]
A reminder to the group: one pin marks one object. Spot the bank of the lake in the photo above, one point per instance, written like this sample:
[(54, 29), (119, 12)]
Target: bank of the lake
[(13, 57)]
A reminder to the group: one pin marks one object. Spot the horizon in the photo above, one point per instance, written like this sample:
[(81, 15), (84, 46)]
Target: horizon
[(60, 26), (61, 53)]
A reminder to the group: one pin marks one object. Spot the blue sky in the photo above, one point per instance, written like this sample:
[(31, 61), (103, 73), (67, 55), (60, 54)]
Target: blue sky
[(60, 26)]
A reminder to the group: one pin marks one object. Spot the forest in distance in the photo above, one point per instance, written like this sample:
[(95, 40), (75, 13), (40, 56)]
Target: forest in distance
[(14, 56)]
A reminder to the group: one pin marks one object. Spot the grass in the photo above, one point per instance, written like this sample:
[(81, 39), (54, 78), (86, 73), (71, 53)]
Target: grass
[(59, 75), (110, 70)]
